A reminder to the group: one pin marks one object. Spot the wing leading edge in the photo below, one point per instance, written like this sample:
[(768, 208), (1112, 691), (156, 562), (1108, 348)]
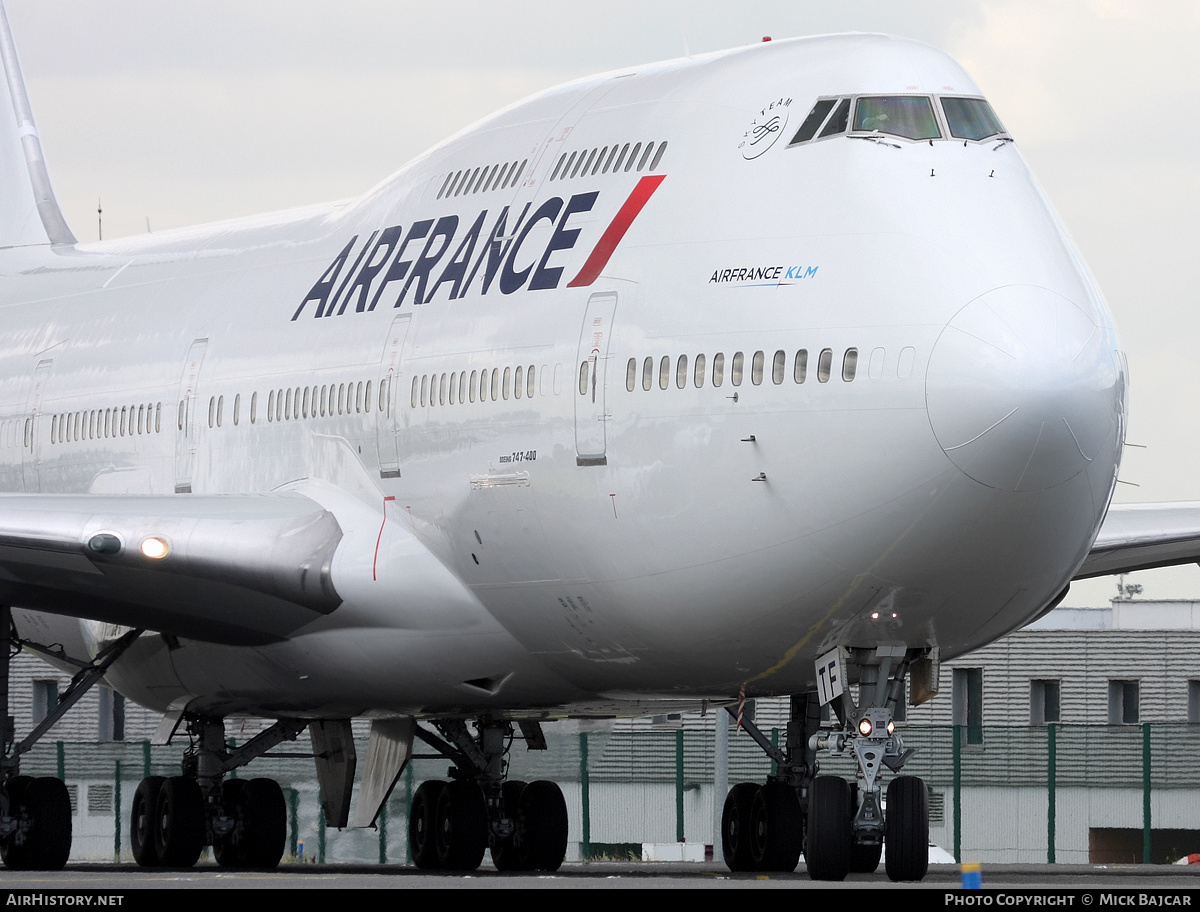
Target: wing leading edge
[(1144, 536), (241, 569)]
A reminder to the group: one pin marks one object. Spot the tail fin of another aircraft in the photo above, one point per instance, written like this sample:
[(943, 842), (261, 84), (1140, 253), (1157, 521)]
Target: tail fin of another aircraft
[(29, 213)]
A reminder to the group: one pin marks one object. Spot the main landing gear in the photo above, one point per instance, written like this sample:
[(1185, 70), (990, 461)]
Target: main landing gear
[(451, 823), (841, 827), (244, 820), (35, 813)]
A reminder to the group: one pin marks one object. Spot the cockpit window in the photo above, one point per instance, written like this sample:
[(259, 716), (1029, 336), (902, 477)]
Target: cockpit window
[(907, 116), (815, 118), (911, 117), (837, 123), (971, 118)]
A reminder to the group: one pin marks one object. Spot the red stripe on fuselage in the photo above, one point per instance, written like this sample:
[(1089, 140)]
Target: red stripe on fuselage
[(608, 242)]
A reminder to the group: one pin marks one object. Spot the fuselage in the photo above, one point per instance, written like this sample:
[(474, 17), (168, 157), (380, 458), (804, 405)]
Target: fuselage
[(680, 401)]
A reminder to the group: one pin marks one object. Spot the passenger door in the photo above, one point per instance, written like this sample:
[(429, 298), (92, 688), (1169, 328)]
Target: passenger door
[(591, 380)]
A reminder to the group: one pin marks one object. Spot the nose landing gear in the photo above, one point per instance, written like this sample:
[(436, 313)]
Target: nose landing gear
[(845, 828)]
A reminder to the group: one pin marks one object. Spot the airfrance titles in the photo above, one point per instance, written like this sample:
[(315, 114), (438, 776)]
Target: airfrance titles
[(490, 251)]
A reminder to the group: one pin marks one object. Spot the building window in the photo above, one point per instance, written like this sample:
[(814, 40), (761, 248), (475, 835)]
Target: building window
[(968, 702), (112, 715), (1043, 702), (45, 698), (1194, 702), (1122, 702)]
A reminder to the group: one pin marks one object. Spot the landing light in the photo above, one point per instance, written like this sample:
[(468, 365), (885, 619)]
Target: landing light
[(891, 727), (864, 728), (155, 548)]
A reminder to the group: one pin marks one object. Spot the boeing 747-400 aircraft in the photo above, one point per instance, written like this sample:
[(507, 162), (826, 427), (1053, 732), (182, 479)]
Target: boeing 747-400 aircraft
[(769, 371)]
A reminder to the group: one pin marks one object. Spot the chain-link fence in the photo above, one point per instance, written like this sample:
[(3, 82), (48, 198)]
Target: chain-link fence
[(1055, 793)]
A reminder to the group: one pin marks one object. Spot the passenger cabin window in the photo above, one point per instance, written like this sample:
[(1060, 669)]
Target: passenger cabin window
[(824, 363), (756, 368), (849, 364), (906, 116)]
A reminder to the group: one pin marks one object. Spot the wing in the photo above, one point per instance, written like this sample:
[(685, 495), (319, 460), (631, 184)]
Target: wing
[(1143, 536), (240, 569)]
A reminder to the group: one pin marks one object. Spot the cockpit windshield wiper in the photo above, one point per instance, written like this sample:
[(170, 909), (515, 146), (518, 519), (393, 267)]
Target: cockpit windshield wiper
[(876, 137)]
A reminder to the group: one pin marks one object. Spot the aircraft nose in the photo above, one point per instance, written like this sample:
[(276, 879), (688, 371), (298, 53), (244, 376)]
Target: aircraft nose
[(1021, 389)]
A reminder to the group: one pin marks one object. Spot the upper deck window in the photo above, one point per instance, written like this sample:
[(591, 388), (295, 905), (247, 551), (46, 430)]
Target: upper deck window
[(971, 118), (906, 116)]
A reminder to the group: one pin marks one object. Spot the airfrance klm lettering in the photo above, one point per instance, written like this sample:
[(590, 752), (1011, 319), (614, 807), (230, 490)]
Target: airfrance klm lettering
[(762, 275), (386, 258)]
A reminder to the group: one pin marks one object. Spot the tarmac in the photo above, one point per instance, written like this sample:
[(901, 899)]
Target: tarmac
[(1076, 880)]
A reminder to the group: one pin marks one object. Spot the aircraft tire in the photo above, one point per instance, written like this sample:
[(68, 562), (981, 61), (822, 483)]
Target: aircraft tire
[(776, 828), (422, 824), (906, 828), (504, 853), (736, 831), (227, 848), (45, 807), (179, 823), (830, 837), (16, 857), (264, 814), (141, 821), (462, 826), (50, 805), (864, 859), (542, 826)]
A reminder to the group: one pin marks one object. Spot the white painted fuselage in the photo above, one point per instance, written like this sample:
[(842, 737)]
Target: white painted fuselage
[(526, 526)]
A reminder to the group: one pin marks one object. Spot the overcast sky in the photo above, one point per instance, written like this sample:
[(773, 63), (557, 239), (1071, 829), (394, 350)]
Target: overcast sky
[(180, 113)]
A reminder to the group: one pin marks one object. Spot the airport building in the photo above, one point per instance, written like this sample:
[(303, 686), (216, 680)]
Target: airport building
[(1067, 741)]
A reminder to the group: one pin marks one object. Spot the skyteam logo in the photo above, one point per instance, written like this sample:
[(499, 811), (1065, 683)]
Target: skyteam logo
[(766, 127), (489, 253)]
